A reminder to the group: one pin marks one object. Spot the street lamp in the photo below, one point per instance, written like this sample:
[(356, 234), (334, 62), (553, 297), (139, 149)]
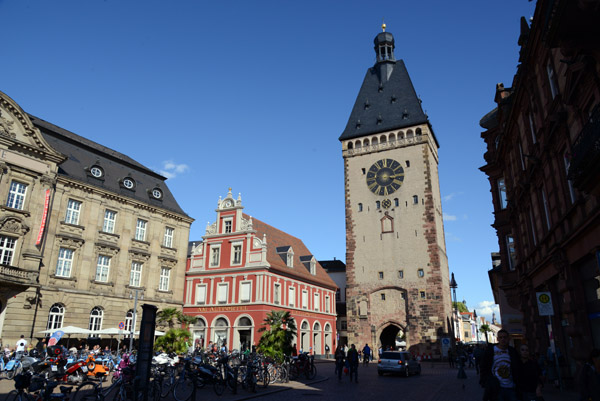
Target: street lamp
[(476, 325), (131, 295), (453, 285)]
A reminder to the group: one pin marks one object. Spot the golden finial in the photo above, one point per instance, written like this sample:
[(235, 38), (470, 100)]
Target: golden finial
[(383, 26)]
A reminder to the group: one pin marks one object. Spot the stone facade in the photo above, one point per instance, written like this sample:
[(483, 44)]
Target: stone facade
[(107, 215)]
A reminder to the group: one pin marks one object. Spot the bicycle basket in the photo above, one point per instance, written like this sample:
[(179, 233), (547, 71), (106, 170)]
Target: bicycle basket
[(37, 383), (22, 381)]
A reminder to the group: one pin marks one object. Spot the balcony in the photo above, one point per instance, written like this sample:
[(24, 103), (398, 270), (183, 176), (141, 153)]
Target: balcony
[(585, 159)]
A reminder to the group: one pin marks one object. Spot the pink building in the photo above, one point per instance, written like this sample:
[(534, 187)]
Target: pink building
[(242, 270)]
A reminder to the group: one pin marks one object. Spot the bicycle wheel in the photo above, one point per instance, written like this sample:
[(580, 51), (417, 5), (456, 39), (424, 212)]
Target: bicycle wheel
[(16, 396), (264, 378), (183, 388), (87, 392), (242, 370), (311, 372), (219, 385), (294, 372), (10, 374)]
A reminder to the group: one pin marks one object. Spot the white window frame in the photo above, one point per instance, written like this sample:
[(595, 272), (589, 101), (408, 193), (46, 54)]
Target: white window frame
[(17, 195), (8, 245), (163, 281), (64, 264), (110, 220), (140, 229), (103, 268), (96, 319), (135, 276), (234, 247), (201, 294), (128, 321), (73, 211), (56, 316), (277, 293), (215, 255), (228, 225), (168, 237), (292, 296), (223, 293), (316, 301), (501, 184), (245, 291), (290, 258), (304, 299), (313, 267)]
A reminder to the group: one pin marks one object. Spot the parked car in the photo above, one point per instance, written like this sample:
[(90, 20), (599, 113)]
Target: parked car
[(400, 362)]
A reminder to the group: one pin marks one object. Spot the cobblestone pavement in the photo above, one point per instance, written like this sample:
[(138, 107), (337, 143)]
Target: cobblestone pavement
[(438, 382)]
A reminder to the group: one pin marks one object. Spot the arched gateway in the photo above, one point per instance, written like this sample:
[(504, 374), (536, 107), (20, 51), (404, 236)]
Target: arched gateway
[(388, 334)]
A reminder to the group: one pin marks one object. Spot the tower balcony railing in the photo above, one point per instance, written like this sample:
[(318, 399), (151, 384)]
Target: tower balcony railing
[(398, 143)]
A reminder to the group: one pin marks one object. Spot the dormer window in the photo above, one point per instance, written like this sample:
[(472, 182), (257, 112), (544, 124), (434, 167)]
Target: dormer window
[(310, 263), (290, 260), (157, 193), (96, 171), (128, 183), (287, 255)]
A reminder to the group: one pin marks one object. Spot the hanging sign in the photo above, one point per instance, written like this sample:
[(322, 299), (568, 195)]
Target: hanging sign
[(544, 301)]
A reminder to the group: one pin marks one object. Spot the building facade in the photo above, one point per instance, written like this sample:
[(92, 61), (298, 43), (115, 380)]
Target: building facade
[(542, 161), (242, 270), (94, 225), (337, 271), (396, 263)]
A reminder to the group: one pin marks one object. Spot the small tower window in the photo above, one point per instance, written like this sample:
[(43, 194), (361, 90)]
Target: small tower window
[(380, 275), (396, 202), (360, 207), (378, 204), (421, 273), (415, 199)]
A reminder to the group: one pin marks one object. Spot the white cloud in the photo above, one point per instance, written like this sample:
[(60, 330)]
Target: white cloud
[(487, 308), (449, 197), (451, 237), (171, 169), (449, 217)]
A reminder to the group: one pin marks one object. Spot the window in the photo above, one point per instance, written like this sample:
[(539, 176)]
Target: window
[(383, 297), (55, 317), (422, 293), (313, 267), (200, 294), (163, 282), (291, 296), (222, 293), (65, 262), (552, 80), (156, 193), (510, 249), (532, 223), (129, 183), (97, 171), (546, 208), (521, 156), (215, 251), (228, 226), (102, 268), (7, 249), (378, 205), (135, 278), (16, 195), (344, 325), (129, 321), (304, 299), (73, 210), (290, 258), (96, 319), (502, 193), (532, 128), (567, 161), (396, 202), (421, 273), (168, 240), (415, 200), (327, 301), (380, 275), (317, 301), (110, 217), (400, 273), (140, 230), (338, 295), (360, 207), (277, 294), (237, 254), (245, 291)]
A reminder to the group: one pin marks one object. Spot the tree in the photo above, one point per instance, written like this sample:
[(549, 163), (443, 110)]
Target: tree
[(460, 306), (187, 320), (174, 340), (279, 329), (167, 317), (485, 329)]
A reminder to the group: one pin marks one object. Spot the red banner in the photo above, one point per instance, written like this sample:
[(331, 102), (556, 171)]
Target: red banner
[(44, 217)]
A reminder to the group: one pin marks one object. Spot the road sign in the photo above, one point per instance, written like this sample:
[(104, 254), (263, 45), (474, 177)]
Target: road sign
[(544, 301), (121, 325)]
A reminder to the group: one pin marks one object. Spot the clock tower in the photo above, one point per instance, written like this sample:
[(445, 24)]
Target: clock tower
[(396, 262)]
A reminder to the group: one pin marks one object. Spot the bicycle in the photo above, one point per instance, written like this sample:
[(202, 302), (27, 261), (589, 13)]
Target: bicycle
[(92, 391), (22, 382), (43, 390)]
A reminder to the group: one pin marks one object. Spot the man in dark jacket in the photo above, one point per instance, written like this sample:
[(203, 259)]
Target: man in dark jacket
[(353, 359), (500, 370)]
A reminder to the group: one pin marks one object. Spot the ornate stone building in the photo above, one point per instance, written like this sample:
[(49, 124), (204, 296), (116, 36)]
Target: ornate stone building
[(396, 263), (243, 269), (542, 162), (111, 228)]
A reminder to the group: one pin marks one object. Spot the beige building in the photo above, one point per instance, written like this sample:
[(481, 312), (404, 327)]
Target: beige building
[(396, 263), (112, 229)]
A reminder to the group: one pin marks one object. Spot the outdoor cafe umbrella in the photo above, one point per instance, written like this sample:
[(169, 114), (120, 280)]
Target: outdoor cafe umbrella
[(69, 331)]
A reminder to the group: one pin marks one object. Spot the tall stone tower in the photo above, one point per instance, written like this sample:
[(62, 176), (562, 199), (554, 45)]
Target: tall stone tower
[(396, 263)]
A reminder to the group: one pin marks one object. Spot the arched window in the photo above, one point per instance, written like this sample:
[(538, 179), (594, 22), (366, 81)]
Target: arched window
[(401, 135), (96, 319), (383, 139), (366, 142), (129, 321), (55, 317), (350, 145), (392, 137), (419, 132), (221, 329), (374, 141), (358, 144), (244, 321), (409, 134), (304, 325), (317, 326)]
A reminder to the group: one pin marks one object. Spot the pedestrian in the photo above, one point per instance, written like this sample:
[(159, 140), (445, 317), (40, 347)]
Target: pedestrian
[(588, 379), (366, 354), (451, 357), (21, 344), (353, 362), (530, 381), (41, 347), (326, 351), (500, 370), (294, 350), (339, 361), (478, 354)]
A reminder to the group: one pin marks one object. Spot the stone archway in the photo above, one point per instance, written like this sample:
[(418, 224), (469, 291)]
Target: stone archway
[(387, 336)]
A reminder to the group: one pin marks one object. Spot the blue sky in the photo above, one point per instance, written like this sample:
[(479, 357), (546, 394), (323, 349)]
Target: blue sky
[(254, 94)]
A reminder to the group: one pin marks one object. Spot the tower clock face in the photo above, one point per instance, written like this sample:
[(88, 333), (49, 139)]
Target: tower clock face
[(385, 177)]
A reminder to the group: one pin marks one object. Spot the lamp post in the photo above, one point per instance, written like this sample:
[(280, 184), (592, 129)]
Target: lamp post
[(476, 325), (134, 318), (453, 286)]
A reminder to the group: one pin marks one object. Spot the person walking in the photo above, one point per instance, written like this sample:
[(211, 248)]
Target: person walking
[(366, 354), (353, 362), (339, 361), (326, 351), (500, 370), (589, 378), (21, 345), (530, 383)]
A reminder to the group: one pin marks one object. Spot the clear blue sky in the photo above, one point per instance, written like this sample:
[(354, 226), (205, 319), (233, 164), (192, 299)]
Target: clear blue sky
[(254, 94)]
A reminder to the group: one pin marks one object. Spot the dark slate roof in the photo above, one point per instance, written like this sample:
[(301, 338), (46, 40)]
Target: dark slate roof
[(83, 154), (333, 266), (384, 105)]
